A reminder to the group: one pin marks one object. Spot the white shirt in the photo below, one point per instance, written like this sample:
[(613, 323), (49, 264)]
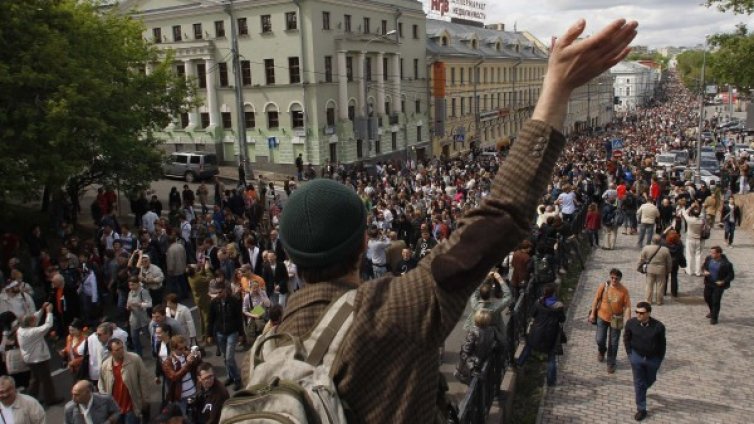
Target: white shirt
[(32, 342), (85, 410), (148, 220), (89, 286), (253, 256), (7, 412), (567, 202), (186, 231)]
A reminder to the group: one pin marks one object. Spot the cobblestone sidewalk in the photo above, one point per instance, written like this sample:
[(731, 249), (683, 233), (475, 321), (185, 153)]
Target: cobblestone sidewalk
[(705, 376)]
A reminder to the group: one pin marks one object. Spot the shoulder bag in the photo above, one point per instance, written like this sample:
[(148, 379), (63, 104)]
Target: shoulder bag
[(643, 265), (83, 372), (599, 301)]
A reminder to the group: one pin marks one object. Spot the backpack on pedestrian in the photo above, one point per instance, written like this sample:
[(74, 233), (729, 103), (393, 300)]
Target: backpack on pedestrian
[(543, 271), (291, 379)]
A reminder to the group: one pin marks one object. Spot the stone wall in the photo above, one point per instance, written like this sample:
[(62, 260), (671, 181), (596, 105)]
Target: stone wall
[(746, 203)]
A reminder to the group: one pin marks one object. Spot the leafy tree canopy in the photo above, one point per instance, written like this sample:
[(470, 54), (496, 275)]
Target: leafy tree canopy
[(75, 103), (736, 6)]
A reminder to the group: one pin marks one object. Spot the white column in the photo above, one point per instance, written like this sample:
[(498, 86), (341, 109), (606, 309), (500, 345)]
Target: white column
[(342, 86), (380, 85), (361, 77), (190, 73), (209, 65), (396, 106)]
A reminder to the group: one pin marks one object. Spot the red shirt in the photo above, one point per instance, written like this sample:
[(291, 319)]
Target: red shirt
[(59, 299), (654, 191), (592, 221), (621, 189), (120, 391)]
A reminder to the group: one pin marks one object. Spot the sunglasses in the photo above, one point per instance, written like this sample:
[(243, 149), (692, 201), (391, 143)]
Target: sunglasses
[(640, 312)]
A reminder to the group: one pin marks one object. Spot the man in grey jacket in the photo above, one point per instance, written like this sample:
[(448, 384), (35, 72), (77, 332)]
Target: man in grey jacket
[(659, 263), (88, 407), (647, 215)]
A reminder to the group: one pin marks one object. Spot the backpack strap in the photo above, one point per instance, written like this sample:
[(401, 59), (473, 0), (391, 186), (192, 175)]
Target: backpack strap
[(330, 332)]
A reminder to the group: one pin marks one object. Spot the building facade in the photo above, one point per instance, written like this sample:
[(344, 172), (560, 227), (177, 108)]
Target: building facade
[(591, 105), (484, 84), (635, 84), (317, 79)]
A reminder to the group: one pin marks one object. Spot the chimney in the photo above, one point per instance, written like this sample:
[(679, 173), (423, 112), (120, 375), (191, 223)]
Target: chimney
[(496, 27)]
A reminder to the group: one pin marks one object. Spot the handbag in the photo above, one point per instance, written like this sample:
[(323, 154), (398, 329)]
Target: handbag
[(83, 372), (14, 361), (616, 322), (599, 300), (643, 265)]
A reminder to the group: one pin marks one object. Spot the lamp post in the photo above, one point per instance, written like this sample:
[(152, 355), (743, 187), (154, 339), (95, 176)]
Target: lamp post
[(240, 116), (366, 88), (698, 175)]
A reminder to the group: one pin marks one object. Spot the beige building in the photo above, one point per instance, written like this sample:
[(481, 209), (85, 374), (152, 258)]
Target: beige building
[(318, 79), (591, 105), (484, 84)]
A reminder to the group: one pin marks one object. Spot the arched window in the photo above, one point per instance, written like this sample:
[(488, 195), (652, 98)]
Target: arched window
[(297, 116), (473, 44), (330, 113), (273, 121), (444, 41)]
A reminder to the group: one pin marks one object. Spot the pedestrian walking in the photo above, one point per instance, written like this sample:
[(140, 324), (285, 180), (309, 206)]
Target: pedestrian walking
[(657, 264), (718, 273), (124, 377), (611, 307), (87, 407), (647, 215), (644, 340), (731, 217), (546, 332), (694, 242), (18, 408), (36, 354)]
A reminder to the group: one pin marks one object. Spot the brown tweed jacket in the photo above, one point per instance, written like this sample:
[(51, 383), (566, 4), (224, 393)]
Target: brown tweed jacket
[(387, 369)]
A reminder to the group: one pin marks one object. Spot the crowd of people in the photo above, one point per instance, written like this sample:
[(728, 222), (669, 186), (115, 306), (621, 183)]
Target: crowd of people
[(111, 300)]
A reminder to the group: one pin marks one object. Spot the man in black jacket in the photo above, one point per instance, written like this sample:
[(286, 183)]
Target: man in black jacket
[(644, 339), (718, 273), (224, 322), (275, 274)]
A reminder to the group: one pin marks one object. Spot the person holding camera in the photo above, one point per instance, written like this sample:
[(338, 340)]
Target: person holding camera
[(179, 369), (610, 309)]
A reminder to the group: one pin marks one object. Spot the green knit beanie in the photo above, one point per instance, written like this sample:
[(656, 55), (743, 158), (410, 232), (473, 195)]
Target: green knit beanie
[(321, 223)]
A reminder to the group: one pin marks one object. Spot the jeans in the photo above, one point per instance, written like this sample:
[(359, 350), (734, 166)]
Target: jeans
[(279, 299), (603, 327), (378, 270), (552, 363), (644, 369), (743, 185), (136, 340), (594, 237), (227, 344), (177, 284), (730, 231), (129, 418), (630, 221), (646, 231), (713, 295)]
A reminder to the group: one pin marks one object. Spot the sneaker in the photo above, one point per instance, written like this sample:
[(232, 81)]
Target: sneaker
[(611, 369), (640, 415), (601, 356)]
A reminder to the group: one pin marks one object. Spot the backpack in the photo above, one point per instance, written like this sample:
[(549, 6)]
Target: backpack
[(292, 382), (543, 272), (620, 217), (608, 216)]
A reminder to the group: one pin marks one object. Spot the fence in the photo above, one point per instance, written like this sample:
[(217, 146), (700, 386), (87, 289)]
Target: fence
[(485, 388)]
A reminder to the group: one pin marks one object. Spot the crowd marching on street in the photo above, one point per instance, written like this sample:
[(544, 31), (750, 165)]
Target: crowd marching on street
[(104, 302)]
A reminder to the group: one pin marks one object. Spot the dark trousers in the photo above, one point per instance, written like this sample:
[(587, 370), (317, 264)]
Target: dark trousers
[(730, 231), (156, 295), (713, 295), (41, 376), (644, 369), (673, 281)]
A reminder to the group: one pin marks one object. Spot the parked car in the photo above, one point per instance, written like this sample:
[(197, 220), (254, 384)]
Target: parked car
[(191, 166), (665, 160), (709, 178), (681, 156), (710, 165)]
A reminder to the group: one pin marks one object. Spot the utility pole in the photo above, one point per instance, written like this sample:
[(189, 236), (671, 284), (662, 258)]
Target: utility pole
[(698, 176), (240, 115)]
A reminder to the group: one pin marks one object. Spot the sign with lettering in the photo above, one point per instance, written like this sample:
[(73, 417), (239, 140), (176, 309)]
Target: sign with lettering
[(470, 10)]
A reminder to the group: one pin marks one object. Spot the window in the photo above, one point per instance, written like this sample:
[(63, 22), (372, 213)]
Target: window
[(359, 149), (180, 70), (400, 63), (377, 147), (419, 134), (272, 119), (201, 75), (347, 23), (246, 72), (325, 20), (387, 108), (243, 26), (384, 69), (444, 41), (463, 106), (328, 68), (177, 35), (297, 118), (452, 76), (351, 112), (366, 26), (418, 106), (394, 140), (290, 21), (227, 121), (628, 91), (266, 24), (452, 107), (462, 69), (368, 67), (269, 71), (349, 68), (330, 115), (205, 119), (198, 34), (403, 105), (249, 119), (400, 29), (157, 35), (383, 27), (219, 29), (293, 70), (416, 68), (222, 69), (184, 119), (415, 31)]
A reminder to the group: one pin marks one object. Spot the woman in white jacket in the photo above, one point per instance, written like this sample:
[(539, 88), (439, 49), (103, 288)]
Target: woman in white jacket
[(182, 314)]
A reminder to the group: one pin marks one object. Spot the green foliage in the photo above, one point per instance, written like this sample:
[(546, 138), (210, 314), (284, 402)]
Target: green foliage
[(732, 58), (689, 69), (75, 104), (736, 6)]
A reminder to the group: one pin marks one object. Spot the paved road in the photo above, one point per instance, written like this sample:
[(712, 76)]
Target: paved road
[(705, 377)]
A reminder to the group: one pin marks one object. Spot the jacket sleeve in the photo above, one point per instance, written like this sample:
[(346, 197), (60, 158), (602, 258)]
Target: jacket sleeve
[(189, 322), (113, 412), (661, 343), (627, 336)]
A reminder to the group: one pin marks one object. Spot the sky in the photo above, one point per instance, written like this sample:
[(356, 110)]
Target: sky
[(661, 22)]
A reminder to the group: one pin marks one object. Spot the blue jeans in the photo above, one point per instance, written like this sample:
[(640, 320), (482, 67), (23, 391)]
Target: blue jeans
[(552, 364), (644, 369), (227, 344), (129, 418), (612, 347), (136, 340), (730, 231), (646, 231)]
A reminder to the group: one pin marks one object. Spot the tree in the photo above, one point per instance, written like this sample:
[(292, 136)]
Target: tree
[(76, 105), (736, 6), (689, 68), (732, 58)]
